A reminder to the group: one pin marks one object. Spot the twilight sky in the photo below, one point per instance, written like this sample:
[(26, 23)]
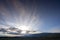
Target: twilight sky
[(40, 15)]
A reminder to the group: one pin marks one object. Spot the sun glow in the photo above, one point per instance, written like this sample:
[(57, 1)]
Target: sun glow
[(23, 27), (21, 17)]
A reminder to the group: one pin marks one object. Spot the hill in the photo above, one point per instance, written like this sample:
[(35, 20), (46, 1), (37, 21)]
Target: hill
[(42, 36)]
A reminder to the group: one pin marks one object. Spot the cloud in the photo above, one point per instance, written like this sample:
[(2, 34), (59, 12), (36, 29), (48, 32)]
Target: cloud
[(9, 30), (17, 14), (12, 31)]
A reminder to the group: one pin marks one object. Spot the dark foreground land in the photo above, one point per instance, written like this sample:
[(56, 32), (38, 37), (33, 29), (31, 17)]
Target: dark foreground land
[(42, 36)]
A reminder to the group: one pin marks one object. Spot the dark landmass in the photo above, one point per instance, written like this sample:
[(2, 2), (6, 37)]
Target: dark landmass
[(42, 36)]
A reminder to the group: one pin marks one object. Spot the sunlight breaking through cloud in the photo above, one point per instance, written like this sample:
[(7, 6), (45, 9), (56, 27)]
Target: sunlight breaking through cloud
[(20, 16)]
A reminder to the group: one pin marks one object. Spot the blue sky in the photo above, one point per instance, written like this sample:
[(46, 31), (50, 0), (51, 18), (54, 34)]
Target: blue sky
[(46, 12)]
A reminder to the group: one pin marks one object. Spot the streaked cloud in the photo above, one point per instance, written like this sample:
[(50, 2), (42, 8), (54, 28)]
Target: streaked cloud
[(16, 14)]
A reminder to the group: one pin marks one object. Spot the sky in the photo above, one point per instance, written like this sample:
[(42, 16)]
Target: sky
[(39, 15)]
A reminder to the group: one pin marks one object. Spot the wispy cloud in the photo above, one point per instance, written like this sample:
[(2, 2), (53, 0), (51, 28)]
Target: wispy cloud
[(16, 14)]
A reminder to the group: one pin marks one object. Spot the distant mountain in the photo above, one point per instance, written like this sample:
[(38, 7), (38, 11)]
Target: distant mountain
[(46, 35), (42, 35)]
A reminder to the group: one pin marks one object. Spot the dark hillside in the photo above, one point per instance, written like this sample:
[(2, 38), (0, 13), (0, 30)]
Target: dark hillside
[(42, 36)]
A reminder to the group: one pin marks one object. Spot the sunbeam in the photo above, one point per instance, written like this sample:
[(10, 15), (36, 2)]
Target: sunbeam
[(20, 16)]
